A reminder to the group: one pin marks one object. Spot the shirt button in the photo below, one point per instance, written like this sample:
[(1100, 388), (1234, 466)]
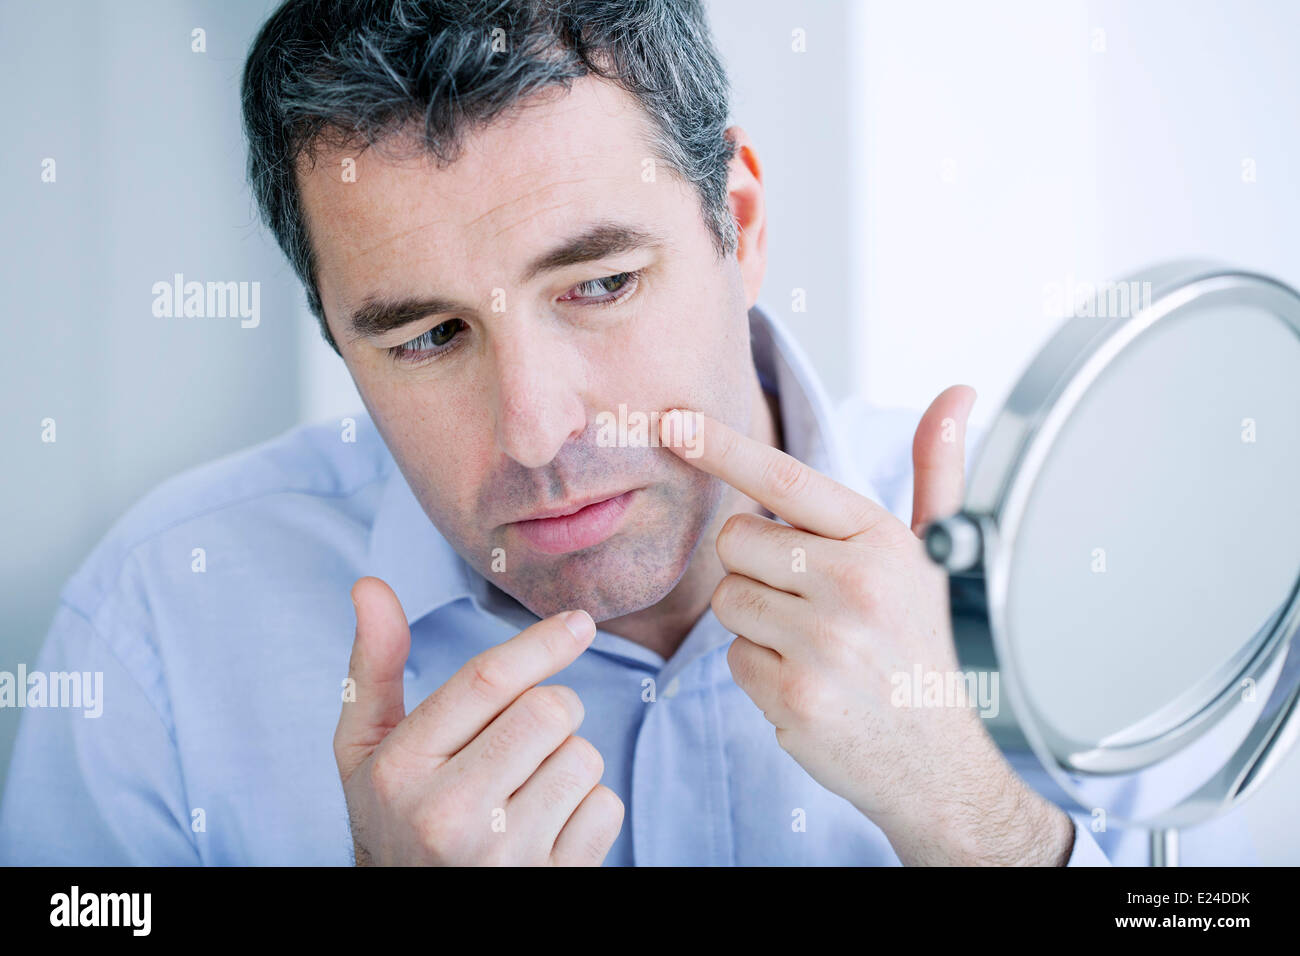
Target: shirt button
[(673, 687)]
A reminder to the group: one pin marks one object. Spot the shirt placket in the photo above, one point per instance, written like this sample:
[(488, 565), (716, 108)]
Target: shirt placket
[(680, 802)]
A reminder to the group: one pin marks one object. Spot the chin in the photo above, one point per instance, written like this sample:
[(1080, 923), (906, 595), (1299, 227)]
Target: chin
[(607, 581)]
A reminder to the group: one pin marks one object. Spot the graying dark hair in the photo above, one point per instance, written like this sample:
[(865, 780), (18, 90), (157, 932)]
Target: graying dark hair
[(357, 72)]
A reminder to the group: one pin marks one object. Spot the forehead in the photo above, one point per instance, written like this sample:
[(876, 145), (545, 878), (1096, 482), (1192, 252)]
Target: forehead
[(560, 160)]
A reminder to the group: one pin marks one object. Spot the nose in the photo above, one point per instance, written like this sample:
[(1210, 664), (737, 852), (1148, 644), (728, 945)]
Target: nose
[(538, 404)]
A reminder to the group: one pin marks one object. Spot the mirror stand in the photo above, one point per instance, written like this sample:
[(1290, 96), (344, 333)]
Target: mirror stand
[(1164, 847)]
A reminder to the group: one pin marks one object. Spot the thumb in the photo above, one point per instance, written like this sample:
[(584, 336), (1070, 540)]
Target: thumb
[(939, 457), (375, 705)]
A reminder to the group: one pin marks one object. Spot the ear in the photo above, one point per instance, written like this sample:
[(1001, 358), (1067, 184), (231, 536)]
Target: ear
[(745, 195)]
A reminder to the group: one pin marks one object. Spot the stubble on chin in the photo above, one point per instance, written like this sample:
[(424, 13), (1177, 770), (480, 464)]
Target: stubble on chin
[(633, 570)]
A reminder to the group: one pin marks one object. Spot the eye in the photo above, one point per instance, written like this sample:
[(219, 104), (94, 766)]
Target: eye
[(431, 342), (613, 287)]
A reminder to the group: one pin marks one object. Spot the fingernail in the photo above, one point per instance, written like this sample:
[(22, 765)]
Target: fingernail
[(669, 428), (677, 428), (580, 624), (688, 426)]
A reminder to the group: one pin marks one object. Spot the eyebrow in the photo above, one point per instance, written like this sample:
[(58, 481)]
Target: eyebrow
[(377, 315)]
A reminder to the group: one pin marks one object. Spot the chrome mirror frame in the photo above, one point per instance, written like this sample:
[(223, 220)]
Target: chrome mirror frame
[(1140, 776)]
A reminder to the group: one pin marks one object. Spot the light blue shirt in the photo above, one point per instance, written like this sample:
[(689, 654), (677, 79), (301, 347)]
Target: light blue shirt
[(218, 611)]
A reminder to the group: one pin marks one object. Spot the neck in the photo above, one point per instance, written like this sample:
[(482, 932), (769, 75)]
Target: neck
[(663, 626)]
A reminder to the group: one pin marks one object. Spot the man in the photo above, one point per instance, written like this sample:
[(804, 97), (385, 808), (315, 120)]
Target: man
[(530, 235)]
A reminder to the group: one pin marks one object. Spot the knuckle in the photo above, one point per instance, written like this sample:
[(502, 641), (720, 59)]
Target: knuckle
[(871, 520), (784, 739), (340, 747), (724, 593), (728, 589), (855, 577), (609, 814), (488, 675), (786, 476), (749, 599), (502, 738), (735, 593), (439, 828), (736, 660), (455, 804), (801, 693), (612, 807), (733, 525), (549, 706), (560, 786), (385, 780), (888, 533), (742, 663), (587, 757), (727, 444), (736, 530), (611, 800)]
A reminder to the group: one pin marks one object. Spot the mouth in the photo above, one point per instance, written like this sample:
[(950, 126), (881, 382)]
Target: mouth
[(575, 527)]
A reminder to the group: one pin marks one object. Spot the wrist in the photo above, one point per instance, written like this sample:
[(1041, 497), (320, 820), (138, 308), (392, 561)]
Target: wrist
[(1007, 824), (1020, 828)]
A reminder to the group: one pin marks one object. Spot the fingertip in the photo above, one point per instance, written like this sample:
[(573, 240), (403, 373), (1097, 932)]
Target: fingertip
[(671, 428), (364, 584), (580, 624), (681, 430), (953, 405), (378, 609), (967, 394)]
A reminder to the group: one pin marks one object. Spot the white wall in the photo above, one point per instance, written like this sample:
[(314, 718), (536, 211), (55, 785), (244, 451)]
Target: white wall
[(1009, 147), (978, 185)]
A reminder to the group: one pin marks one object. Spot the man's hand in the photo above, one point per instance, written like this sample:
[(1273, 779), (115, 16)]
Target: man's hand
[(829, 610), (486, 769)]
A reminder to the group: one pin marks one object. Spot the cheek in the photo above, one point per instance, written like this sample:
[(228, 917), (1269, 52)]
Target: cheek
[(442, 440), (683, 349)]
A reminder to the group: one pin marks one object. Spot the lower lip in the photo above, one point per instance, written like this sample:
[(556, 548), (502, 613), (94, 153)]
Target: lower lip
[(582, 529)]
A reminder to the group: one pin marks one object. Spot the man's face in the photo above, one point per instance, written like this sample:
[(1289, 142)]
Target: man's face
[(494, 410)]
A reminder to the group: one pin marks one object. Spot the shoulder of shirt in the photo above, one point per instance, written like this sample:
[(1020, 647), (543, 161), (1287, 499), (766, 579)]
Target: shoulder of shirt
[(308, 461), (878, 441)]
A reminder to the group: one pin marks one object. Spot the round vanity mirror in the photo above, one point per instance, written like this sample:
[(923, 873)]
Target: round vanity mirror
[(1129, 550)]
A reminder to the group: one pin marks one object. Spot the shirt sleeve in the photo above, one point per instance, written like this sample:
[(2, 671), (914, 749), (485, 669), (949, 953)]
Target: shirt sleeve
[(87, 789)]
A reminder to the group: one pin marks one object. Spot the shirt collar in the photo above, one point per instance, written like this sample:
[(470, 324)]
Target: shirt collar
[(426, 573), (409, 553)]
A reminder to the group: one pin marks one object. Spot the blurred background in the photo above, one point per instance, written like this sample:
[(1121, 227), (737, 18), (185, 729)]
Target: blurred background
[(943, 181)]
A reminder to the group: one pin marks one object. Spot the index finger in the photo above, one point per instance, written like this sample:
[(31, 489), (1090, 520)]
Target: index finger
[(801, 496), (489, 682)]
